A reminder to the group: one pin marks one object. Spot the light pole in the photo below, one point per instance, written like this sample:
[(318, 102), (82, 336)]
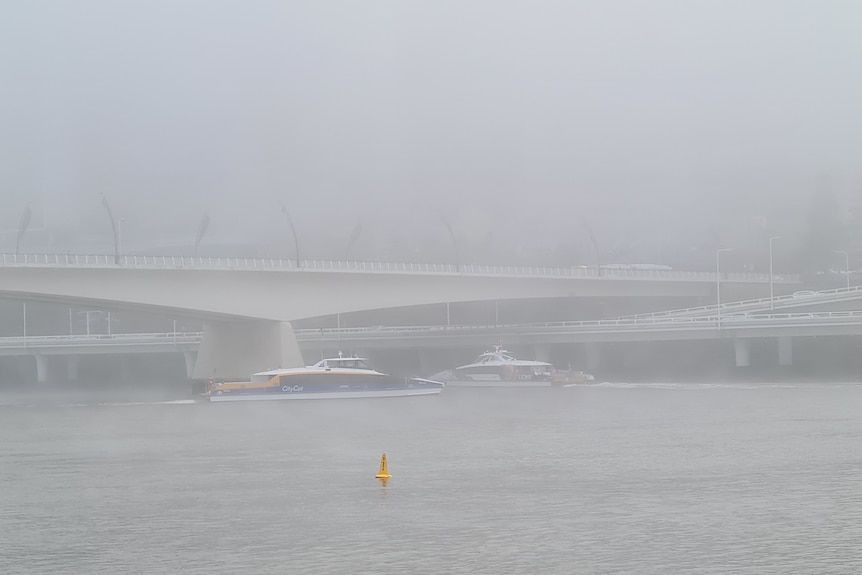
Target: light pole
[(846, 265), (120, 223), (718, 281), (595, 245), (292, 229), (107, 207), (354, 235), (454, 242), (202, 229), (771, 289), (22, 226)]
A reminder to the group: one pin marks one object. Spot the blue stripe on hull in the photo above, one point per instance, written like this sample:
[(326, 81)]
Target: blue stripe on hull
[(329, 391), (328, 395)]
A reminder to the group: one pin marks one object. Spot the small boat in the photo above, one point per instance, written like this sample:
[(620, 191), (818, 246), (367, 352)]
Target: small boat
[(333, 378), (498, 368)]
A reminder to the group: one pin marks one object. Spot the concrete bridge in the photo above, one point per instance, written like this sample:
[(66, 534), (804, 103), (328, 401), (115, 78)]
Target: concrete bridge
[(248, 303)]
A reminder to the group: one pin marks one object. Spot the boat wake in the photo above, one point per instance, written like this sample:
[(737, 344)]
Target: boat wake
[(697, 386)]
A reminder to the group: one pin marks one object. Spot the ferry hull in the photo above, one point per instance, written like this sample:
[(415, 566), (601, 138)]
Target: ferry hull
[(370, 393), (487, 383)]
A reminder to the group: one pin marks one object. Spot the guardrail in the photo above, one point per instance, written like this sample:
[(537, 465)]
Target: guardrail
[(736, 321), (817, 297), (95, 340), (283, 265), (740, 320)]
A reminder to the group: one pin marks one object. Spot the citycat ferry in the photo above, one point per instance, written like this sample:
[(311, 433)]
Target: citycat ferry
[(497, 368), (333, 378)]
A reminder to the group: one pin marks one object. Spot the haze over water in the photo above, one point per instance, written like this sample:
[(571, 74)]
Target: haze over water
[(682, 478)]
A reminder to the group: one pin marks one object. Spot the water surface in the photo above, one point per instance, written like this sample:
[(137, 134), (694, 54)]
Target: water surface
[(658, 478)]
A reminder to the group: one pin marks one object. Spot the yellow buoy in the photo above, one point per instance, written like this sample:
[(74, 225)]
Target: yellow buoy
[(383, 472)]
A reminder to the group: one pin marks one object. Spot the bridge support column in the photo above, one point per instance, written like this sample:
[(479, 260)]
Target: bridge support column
[(742, 350), (190, 358), (41, 368), (72, 367), (236, 349), (542, 352), (785, 351), (424, 363), (593, 355)]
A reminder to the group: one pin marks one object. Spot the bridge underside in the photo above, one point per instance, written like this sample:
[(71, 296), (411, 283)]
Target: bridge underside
[(289, 296)]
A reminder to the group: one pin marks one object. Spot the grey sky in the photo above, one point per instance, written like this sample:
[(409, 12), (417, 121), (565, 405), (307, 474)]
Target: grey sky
[(515, 117)]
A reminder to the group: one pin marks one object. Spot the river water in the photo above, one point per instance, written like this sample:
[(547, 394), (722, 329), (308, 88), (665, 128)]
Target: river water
[(725, 478)]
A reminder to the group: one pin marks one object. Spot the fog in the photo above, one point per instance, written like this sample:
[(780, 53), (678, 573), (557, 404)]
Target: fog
[(522, 125)]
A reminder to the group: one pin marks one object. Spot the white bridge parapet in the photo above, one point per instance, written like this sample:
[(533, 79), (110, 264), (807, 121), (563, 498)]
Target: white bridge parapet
[(710, 327), (102, 261)]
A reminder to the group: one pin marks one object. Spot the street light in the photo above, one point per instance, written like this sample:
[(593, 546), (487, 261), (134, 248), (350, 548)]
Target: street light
[(354, 235), (202, 229), (454, 242), (22, 226), (107, 207), (120, 235), (595, 245), (771, 290), (718, 281), (846, 265), (292, 229)]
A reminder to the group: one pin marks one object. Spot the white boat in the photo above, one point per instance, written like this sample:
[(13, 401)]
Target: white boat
[(333, 378), (498, 368)]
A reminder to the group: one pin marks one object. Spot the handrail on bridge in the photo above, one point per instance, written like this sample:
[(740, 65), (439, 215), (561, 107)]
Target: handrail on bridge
[(276, 264), (316, 334), (813, 298)]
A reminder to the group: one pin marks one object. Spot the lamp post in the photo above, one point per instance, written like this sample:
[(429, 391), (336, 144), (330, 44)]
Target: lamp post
[(354, 236), (22, 226), (718, 281), (120, 223), (846, 265), (771, 289), (292, 229), (595, 245), (202, 229), (454, 242), (107, 207)]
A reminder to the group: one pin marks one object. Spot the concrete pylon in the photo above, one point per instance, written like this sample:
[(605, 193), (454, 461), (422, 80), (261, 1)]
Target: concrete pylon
[(236, 349), (742, 351), (190, 358), (72, 367), (593, 353), (785, 351), (42, 368), (542, 352)]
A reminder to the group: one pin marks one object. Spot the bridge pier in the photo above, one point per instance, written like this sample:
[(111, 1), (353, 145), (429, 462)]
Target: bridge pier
[(593, 355), (742, 351), (72, 362), (190, 358), (542, 352), (785, 351), (236, 349), (41, 368)]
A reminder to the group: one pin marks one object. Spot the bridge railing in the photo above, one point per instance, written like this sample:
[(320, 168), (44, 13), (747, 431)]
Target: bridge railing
[(276, 264), (492, 331), (619, 323), (83, 340), (817, 297)]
